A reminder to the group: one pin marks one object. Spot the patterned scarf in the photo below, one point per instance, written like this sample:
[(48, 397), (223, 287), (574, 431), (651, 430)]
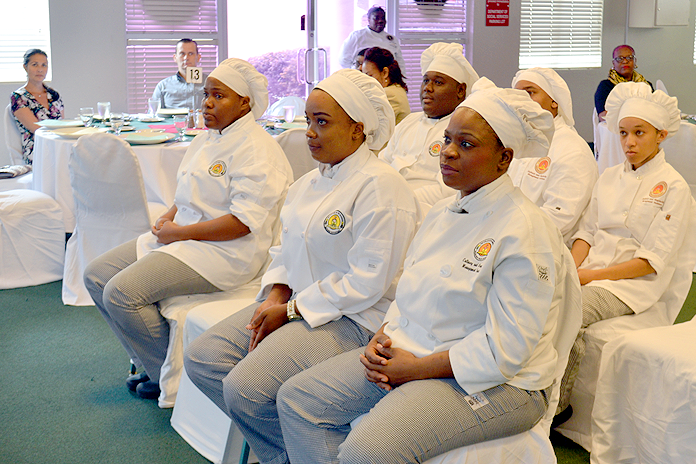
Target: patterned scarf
[(616, 78)]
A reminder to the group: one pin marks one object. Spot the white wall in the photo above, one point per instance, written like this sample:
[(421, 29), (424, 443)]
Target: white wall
[(89, 55), (664, 53)]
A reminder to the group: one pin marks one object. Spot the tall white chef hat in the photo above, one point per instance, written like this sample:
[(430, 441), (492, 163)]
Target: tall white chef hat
[(363, 98), (550, 82), (637, 100), (246, 81), (448, 58), (518, 121)]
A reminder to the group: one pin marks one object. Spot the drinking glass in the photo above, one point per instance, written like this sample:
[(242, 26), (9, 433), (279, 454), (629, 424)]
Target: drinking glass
[(117, 122), (104, 108), (181, 124), (87, 116), (289, 113), (153, 107)]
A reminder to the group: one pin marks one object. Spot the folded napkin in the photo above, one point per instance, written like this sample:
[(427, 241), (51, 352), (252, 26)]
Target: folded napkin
[(8, 172)]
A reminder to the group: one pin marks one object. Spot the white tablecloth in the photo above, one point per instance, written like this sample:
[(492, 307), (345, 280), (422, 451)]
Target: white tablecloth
[(680, 150), (158, 163)]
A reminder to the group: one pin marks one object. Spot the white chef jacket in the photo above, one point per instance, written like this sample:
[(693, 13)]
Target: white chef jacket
[(367, 38), (345, 231), (560, 183), (242, 172), (414, 151), (637, 214), (487, 285)]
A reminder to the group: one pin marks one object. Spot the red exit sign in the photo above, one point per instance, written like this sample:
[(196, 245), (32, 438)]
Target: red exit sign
[(497, 13)]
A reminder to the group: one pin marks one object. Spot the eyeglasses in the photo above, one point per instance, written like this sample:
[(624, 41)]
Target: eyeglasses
[(624, 59)]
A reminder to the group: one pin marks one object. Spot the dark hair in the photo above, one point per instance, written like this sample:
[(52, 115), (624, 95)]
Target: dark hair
[(31, 52), (374, 10), (633, 52), (188, 41), (384, 59)]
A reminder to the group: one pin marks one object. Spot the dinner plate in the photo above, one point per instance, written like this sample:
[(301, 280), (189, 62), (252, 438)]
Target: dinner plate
[(74, 132), (148, 138), (291, 125), (151, 119), (195, 132), (172, 111), (60, 123)]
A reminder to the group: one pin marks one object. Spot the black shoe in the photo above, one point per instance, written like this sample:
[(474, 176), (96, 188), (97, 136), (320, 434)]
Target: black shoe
[(148, 390), (134, 380), (562, 417)]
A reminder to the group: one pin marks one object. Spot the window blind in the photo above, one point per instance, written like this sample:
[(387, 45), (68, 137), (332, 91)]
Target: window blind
[(18, 36), (153, 27), (422, 24), (561, 33)]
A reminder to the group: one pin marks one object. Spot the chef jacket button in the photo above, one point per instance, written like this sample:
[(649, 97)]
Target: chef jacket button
[(302, 234), (403, 322), (313, 181), (625, 213), (285, 230), (431, 336), (446, 271), (639, 177)]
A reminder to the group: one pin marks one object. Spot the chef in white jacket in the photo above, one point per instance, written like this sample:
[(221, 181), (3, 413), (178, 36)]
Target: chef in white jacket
[(465, 353), (415, 146), (561, 182), (373, 35), (627, 245), (345, 230), (230, 188)]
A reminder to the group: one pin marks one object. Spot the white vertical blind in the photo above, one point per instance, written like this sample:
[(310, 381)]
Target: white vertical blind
[(561, 33), (19, 34), (153, 27), (422, 24)]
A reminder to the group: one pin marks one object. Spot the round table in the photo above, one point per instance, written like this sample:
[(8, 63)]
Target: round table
[(159, 164)]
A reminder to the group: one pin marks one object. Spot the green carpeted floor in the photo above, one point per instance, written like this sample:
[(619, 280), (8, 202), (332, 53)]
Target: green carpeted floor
[(63, 396)]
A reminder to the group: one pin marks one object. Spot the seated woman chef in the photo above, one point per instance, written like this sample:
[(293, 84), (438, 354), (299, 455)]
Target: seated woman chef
[(346, 227), (230, 188), (473, 319), (627, 242)]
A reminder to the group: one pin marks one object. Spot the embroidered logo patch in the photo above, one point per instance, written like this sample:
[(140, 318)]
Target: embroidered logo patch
[(542, 165), (482, 249), (658, 190), (435, 148), (217, 169), (334, 222)]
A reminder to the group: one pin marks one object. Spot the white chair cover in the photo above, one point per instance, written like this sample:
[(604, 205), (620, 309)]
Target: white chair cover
[(277, 109), (579, 427), (294, 144), (110, 206), (32, 239), (197, 419), (533, 446), (23, 182), (174, 310), (649, 419), (13, 139)]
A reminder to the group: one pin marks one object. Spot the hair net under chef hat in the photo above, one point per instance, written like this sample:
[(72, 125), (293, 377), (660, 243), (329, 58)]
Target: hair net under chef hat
[(448, 58), (550, 82), (363, 98), (246, 81), (637, 100), (518, 121)]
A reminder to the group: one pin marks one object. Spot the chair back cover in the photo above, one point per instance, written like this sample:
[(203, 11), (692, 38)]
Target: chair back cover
[(110, 206), (13, 139), (294, 144), (32, 239)]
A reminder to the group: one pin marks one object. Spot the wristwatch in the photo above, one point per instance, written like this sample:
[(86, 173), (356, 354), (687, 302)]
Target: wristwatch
[(292, 314)]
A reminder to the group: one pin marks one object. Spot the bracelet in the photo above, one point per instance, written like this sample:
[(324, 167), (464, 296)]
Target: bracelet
[(292, 313)]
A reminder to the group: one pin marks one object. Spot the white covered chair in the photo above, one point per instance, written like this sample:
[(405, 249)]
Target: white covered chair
[(197, 419), (579, 427), (533, 446), (648, 419), (110, 206), (32, 239), (13, 142), (294, 144)]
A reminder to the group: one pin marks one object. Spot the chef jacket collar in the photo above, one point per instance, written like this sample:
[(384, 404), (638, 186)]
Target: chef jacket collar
[(352, 163), (482, 197)]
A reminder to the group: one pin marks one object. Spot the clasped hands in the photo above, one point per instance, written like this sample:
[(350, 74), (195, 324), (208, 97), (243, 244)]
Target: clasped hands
[(389, 367), (165, 230)]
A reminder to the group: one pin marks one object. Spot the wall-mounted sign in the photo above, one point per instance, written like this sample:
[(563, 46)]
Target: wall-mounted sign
[(497, 13)]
